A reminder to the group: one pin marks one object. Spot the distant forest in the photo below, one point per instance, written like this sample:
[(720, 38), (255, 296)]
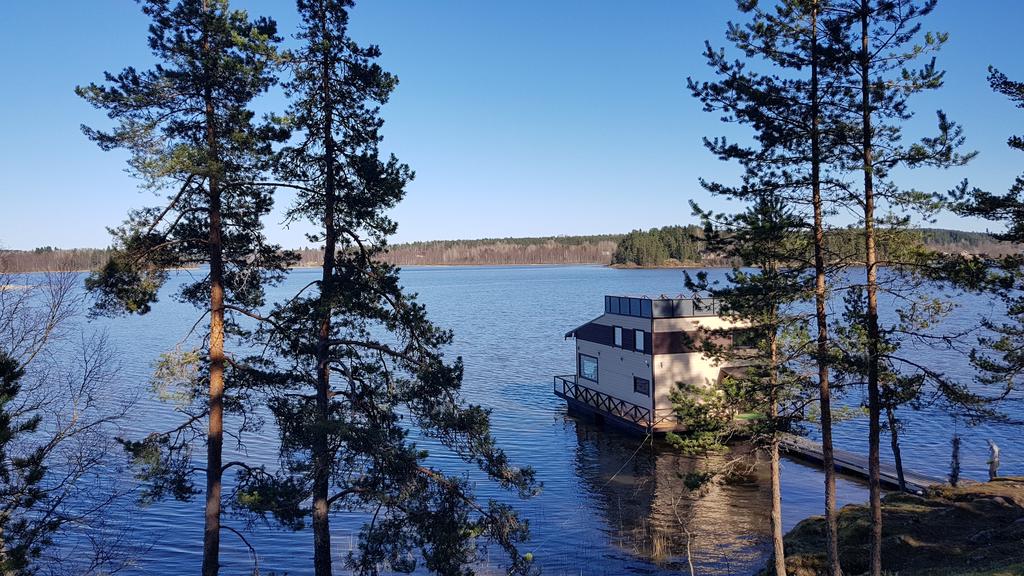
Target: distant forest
[(684, 245), (49, 258), (596, 249), (671, 245), (668, 246)]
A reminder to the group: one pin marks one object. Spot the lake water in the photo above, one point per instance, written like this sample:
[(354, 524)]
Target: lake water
[(608, 506)]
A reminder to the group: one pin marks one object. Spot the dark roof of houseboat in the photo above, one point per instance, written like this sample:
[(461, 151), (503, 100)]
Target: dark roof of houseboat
[(645, 306)]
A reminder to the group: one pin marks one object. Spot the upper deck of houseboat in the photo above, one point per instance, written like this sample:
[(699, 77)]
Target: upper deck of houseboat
[(644, 306)]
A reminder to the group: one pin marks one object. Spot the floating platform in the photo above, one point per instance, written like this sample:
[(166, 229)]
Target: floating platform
[(852, 464)]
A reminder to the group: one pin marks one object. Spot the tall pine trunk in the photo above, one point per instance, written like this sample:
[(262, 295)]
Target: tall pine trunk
[(773, 412), (874, 400), (321, 450), (215, 432), (824, 393)]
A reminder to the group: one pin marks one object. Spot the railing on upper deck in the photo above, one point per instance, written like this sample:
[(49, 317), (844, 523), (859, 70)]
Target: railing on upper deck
[(661, 307), (569, 388)]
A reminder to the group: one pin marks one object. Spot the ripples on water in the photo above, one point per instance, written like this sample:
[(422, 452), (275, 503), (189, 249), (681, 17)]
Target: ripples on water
[(607, 507)]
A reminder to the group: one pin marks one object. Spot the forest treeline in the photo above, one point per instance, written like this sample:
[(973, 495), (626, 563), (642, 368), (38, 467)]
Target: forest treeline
[(597, 249), (686, 246), (659, 246), (670, 245), (48, 258)]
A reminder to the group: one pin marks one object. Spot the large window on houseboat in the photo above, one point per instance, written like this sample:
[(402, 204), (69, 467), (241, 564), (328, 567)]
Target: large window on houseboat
[(639, 338), (641, 386), (588, 367), (618, 336)]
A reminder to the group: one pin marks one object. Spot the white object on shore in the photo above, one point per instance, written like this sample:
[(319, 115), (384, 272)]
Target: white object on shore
[(993, 460)]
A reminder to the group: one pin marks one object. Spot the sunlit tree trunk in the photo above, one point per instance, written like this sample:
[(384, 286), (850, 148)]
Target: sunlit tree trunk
[(215, 433), (778, 547), (874, 395), (825, 401)]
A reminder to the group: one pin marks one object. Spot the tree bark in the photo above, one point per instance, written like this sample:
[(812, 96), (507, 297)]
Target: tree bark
[(321, 450), (215, 431), (874, 400), (778, 547), (824, 392)]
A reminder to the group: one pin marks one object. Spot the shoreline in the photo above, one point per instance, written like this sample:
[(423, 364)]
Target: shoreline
[(977, 526), (663, 266), (458, 265)]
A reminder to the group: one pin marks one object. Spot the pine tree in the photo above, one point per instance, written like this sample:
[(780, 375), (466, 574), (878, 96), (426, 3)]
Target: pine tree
[(814, 11), (190, 131), (883, 40), (358, 366), (21, 477), (793, 111), (764, 302), (998, 357)]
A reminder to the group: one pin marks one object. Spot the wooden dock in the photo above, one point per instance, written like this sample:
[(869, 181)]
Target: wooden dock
[(854, 464)]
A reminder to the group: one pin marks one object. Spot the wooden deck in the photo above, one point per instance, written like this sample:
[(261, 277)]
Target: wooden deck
[(635, 418), (629, 416), (854, 464)]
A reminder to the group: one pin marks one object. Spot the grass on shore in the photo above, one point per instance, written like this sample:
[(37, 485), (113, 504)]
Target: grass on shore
[(975, 529)]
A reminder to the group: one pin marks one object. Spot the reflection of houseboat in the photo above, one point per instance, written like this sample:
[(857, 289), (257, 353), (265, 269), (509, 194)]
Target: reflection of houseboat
[(648, 512), (629, 359)]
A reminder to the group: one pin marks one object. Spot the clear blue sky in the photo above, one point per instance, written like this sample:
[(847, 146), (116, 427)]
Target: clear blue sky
[(536, 117)]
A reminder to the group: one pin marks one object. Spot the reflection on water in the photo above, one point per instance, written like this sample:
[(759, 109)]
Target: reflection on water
[(649, 511), (606, 508), (650, 515)]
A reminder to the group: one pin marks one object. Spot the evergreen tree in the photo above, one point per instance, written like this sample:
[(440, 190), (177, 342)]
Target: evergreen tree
[(655, 246), (21, 477), (358, 366), (640, 248), (189, 130), (764, 302), (883, 40), (794, 111), (1000, 358)]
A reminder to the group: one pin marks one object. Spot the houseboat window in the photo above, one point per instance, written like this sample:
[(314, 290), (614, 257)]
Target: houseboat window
[(641, 386), (634, 307), (618, 336), (744, 339), (588, 367), (645, 308), (639, 337)]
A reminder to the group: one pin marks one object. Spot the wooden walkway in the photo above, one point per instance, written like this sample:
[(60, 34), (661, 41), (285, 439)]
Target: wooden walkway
[(854, 464)]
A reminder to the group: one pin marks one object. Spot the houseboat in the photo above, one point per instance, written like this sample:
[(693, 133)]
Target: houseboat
[(629, 359)]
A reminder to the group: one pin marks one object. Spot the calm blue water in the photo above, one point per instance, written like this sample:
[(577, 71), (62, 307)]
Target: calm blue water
[(608, 506)]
